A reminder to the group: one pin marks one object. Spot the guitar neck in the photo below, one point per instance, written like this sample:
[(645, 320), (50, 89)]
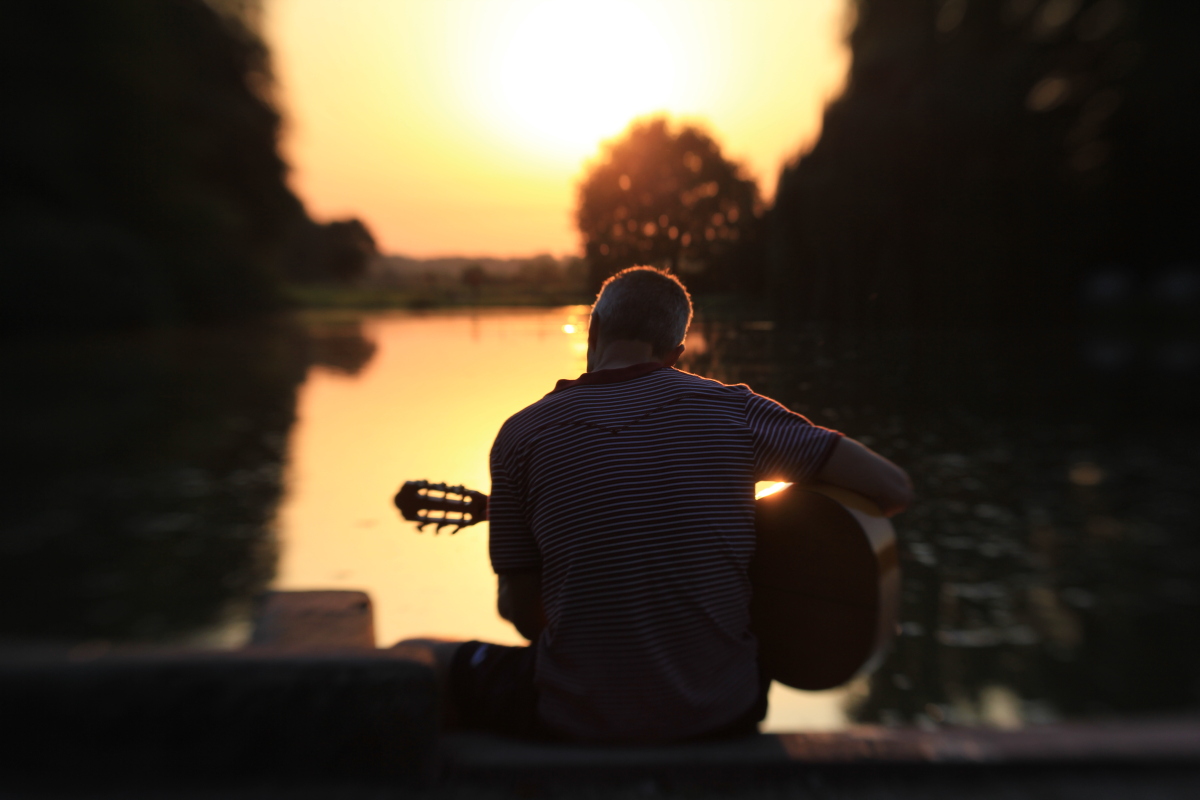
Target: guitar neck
[(444, 505), (441, 505)]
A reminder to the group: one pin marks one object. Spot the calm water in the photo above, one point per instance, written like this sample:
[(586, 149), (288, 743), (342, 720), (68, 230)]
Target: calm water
[(1052, 562), (427, 405)]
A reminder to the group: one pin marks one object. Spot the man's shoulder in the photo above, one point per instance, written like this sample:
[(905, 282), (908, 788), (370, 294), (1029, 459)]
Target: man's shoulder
[(560, 403), (691, 382), (528, 418), (654, 383), (711, 384)]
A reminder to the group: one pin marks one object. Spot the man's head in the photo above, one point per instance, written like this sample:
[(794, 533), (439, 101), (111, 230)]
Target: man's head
[(640, 304)]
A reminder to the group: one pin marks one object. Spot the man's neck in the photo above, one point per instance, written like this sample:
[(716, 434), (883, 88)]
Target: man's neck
[(619, 354)]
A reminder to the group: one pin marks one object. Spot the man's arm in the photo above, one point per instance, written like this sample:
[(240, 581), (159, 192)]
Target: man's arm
[(856, 467), (513, 550), (519, 600)]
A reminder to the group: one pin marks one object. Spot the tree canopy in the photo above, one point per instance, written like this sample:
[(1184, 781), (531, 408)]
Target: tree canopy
[(336, 251), (143, 183), (986, 158), (666, 198)]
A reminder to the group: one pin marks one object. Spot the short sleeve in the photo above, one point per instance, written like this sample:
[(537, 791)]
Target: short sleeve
[(510, 541), (786, 445)]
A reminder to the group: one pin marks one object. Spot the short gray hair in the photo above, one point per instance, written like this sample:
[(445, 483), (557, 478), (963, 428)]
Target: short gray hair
[(643, 304)]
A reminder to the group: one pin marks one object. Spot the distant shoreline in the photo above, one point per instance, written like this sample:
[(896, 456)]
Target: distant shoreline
[(417, 298)]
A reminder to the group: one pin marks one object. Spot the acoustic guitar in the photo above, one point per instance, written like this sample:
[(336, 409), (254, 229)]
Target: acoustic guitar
[(825, 575)]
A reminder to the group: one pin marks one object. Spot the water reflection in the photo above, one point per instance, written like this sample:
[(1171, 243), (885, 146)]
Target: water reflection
[(144, 472), (426, 406), (1051, 563), (338, 343)]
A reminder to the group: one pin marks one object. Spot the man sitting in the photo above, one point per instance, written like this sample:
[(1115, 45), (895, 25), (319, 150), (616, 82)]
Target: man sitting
[(622, 526)]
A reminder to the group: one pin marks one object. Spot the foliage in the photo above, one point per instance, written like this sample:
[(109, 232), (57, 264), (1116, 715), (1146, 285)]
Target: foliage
[(474, 276), (666, 198), (335, 251), (986, 157), (142, 181), (543, 269), (398, 282), (436, 294)]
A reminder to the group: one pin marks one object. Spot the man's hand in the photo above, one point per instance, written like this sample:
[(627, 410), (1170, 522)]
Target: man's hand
[(856, 467), (519, 600)]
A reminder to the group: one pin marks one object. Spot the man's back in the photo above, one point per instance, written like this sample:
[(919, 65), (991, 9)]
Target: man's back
[(632, 492)]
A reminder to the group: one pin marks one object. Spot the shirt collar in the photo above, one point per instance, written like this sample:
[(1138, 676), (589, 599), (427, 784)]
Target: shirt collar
[(610, 375)]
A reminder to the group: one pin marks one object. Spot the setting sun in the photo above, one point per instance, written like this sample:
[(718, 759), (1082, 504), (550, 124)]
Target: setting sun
[(574, 73)]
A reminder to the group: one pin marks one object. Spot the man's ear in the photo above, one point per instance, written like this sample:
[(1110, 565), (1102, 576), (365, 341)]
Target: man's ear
[(673, 356)]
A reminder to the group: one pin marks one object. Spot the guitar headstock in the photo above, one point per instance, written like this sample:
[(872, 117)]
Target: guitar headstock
[(441, 505)]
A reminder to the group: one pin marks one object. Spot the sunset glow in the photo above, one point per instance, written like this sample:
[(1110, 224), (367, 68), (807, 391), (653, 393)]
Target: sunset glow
[(463, 126), (573, 73)]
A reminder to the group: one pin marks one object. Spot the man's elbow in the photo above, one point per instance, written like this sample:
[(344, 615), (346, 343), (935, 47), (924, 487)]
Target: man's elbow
[(895, 493), (854, 466)]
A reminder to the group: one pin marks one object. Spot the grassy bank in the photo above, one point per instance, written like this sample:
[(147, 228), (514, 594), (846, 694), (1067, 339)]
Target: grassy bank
[(359, 297)]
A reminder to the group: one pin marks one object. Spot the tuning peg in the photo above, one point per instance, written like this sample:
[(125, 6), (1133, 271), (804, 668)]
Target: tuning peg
[(457, 506)]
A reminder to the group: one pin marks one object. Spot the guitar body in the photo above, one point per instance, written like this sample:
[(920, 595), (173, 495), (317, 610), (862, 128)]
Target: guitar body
[(826, 582), (825, 575)]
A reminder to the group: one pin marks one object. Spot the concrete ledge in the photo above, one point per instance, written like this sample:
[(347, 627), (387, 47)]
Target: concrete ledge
[(1133, 743), (315, 620), (1130, 742), (473, 752), (218, 716)]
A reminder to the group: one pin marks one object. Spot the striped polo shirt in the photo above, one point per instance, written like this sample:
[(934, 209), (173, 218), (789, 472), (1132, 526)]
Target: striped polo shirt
[(632, 491)]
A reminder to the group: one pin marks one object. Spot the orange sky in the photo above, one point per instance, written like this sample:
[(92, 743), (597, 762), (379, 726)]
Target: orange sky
[(462, 127)]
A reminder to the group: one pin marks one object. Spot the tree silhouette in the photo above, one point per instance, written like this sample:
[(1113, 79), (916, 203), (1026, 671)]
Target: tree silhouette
[(331, 252), (987, 157), (142, 181), (666, 198)]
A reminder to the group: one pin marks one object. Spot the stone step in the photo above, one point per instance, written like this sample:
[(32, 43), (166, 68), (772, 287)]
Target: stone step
[(1175, 742), (314, 620)]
